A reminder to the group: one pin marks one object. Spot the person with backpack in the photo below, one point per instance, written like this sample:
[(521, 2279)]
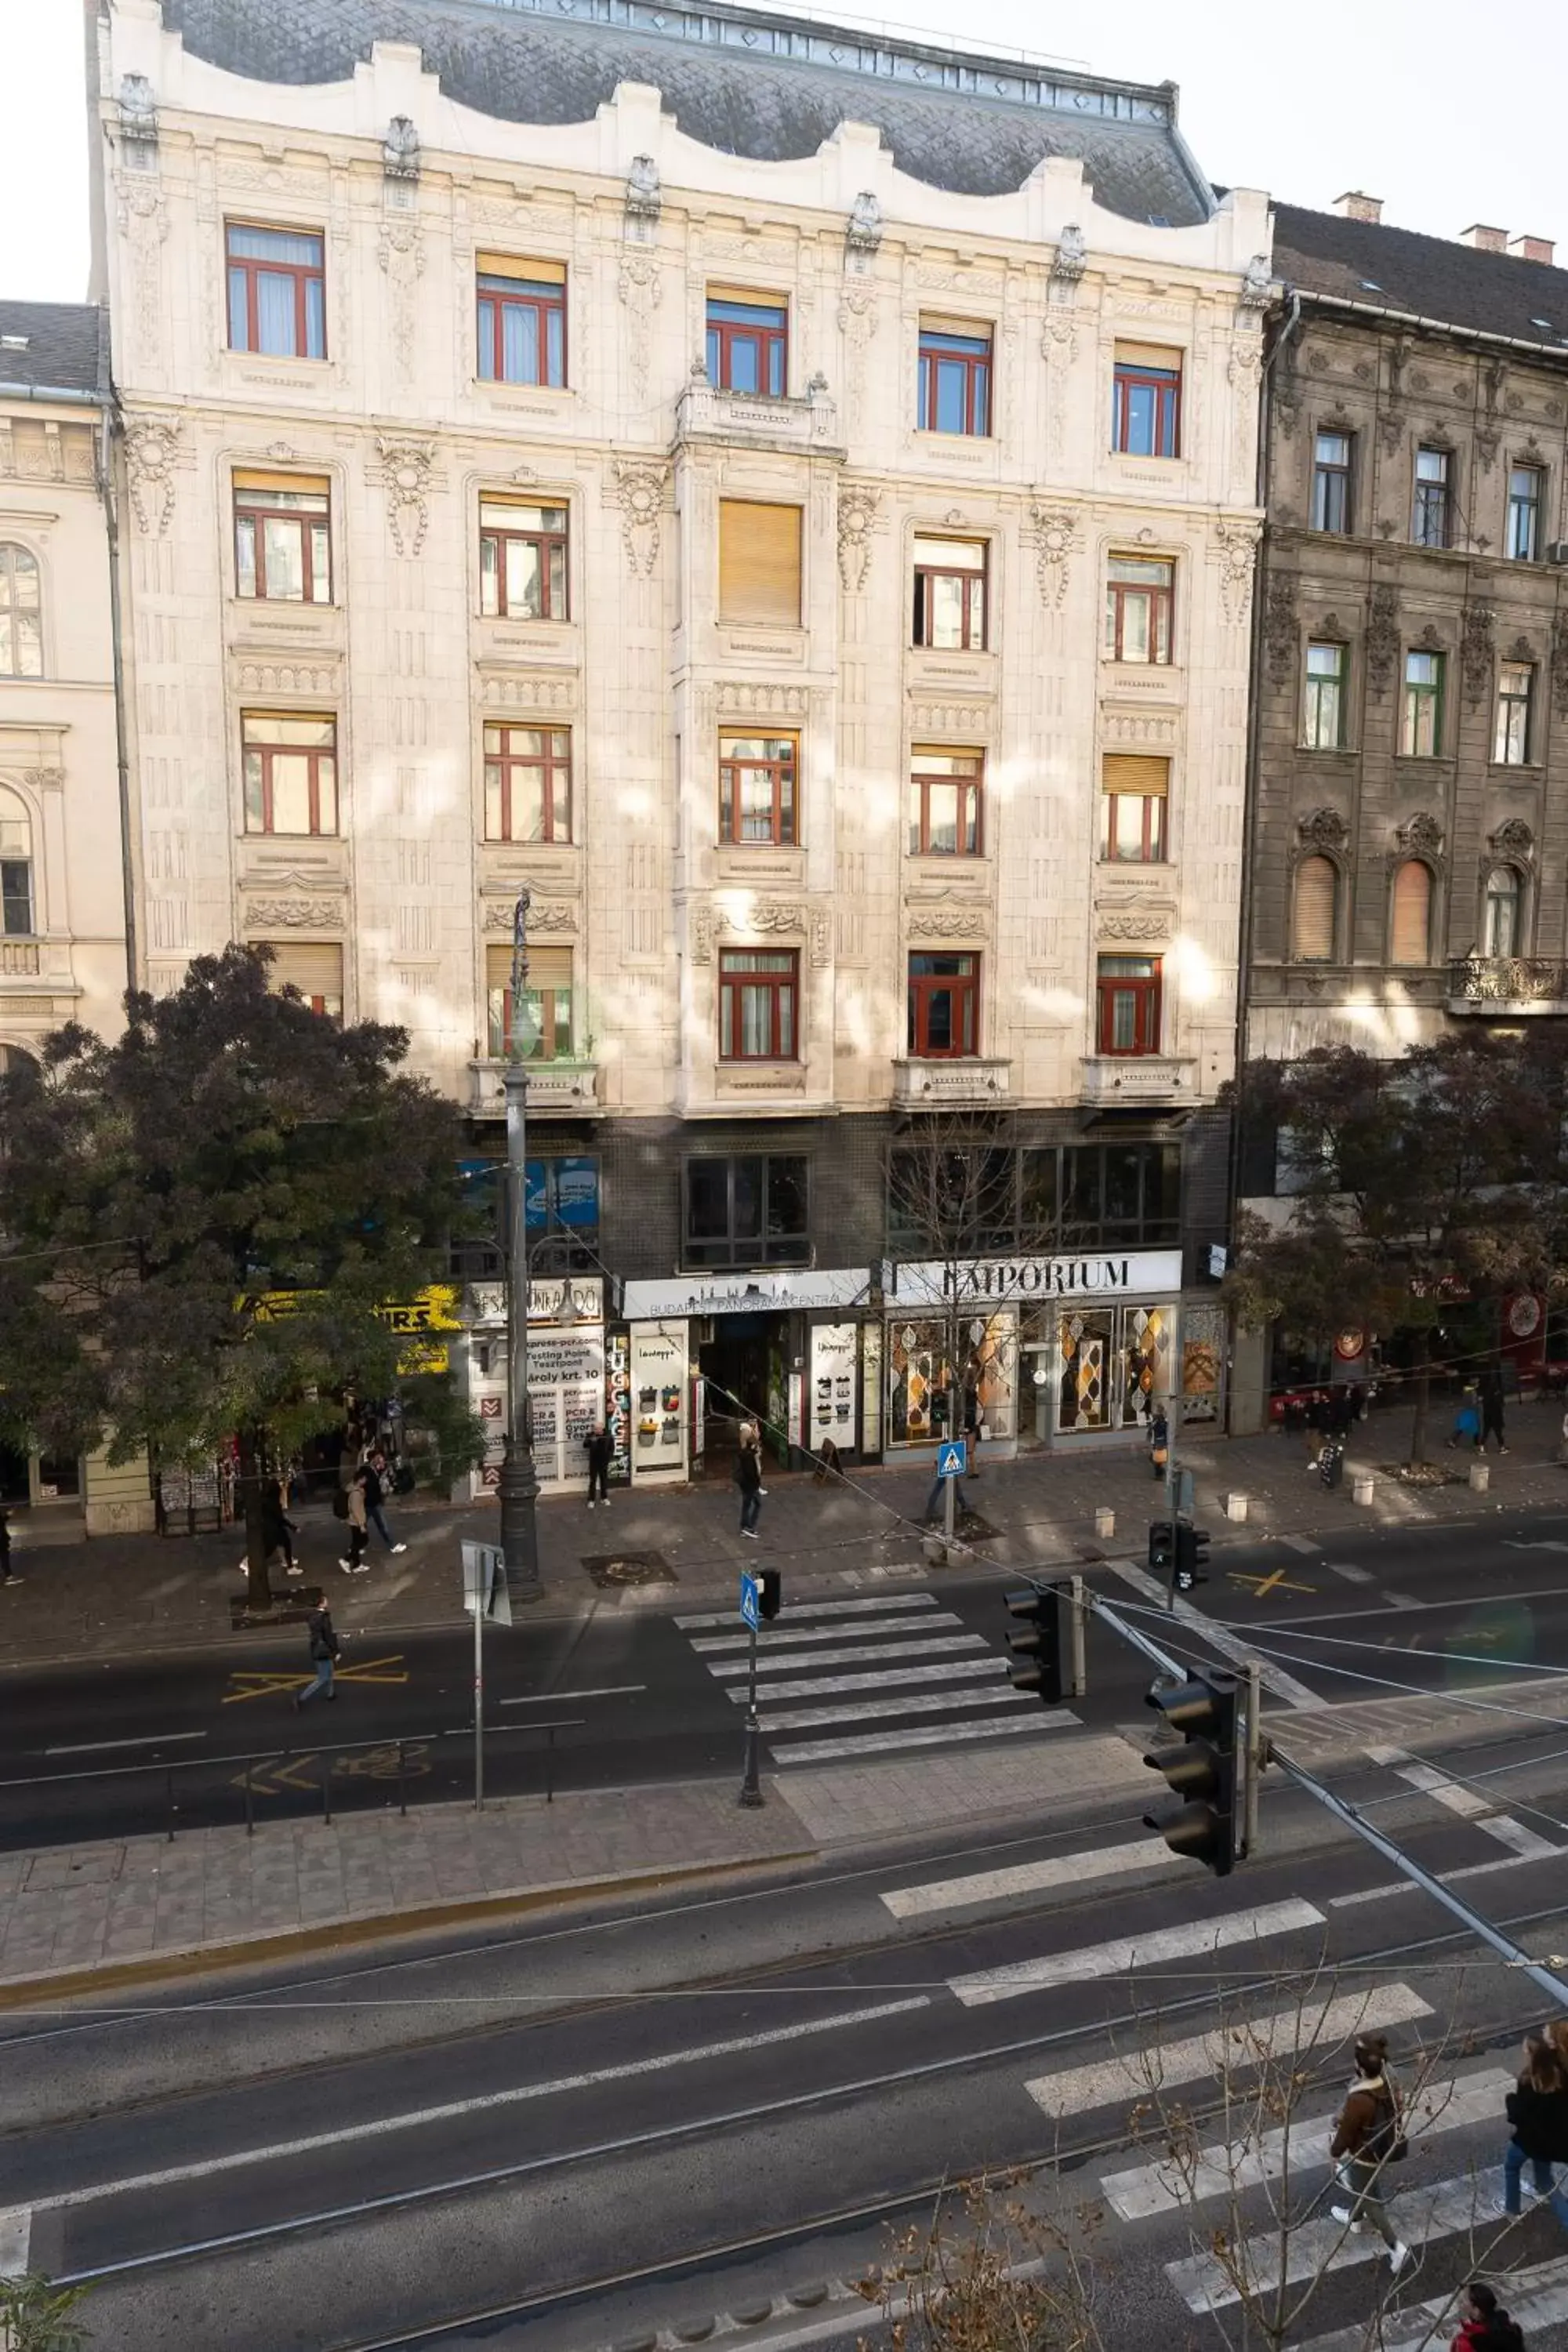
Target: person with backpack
[(1366, 2140), (1485, 2325), (1537, 2110), (325, 1652), (749, 1478), (356, 1513)]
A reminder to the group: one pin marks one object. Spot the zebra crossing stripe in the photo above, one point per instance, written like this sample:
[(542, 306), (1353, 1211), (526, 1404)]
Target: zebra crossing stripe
[(931, 1734), (1188, 1940), (1027, 1877), (867, 1710), (715, 1642), (1225, 2049), (967, 1670), (15, 2232), (802, 1661), (1537, 2298), (725, 1618), (1447, 2209), (1455, 2104)]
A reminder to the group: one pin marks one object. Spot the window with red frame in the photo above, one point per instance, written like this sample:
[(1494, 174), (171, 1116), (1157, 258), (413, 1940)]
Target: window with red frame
[(748, 345), (522, 321), (1129, 988), (757, 788), (282, 538), (759, 991), (944, 1006), (1139, 592), (955, 381), (950, 594), (944, 803), (1147, 408), (528, 783), (522, 560), (291, 772), (277, 291), (545, 1034)]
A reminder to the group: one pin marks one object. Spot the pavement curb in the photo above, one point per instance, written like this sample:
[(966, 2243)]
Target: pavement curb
[(288, 1943)]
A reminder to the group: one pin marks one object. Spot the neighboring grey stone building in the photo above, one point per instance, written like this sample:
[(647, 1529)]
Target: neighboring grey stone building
[(1409, 846)]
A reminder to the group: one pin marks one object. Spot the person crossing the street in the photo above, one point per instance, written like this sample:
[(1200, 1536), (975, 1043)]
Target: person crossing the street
[(325, 1652), (1485, 2325), (1366, 2140), (1537, 2110)]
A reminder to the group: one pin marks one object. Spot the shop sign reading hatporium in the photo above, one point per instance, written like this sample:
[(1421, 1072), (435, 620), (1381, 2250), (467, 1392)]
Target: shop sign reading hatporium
[(1131, 1273)]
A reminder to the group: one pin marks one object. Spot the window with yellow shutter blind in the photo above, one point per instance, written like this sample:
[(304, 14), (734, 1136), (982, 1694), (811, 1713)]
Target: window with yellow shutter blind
[(1412, 923), (759, 564), (546, 1034), (315, 970), (1136, 787), (1312, 927)]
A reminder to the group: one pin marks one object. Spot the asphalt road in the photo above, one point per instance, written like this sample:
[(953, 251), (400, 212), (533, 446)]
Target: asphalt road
[(641, 2116), (89, 1749)]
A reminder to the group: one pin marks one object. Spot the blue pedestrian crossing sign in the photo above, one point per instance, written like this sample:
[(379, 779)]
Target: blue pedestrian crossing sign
[(751, 1603), (952, 1457)]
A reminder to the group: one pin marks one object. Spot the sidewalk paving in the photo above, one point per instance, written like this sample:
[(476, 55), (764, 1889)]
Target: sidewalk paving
[(128, 1596), (128, 1910)]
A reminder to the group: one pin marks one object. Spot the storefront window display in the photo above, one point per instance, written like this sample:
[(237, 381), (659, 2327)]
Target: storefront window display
[(919, 1374), (1112, 1365), (1203, 1362)]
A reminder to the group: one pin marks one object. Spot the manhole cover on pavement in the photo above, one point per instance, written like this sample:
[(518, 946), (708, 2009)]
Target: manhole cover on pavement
[(616, 1570)]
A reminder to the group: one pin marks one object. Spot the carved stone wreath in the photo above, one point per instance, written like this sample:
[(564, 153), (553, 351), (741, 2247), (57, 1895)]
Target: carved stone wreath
[(152, 454), (857, 507), (1056, 537), (1476, 651), (1421, 837), (1325, 832), (1280, 626), (407, 467), (1382, 642), (639, 489)]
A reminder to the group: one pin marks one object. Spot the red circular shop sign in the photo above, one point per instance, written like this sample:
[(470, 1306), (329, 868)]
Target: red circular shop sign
[(1524, 1315), (1349, 1345)]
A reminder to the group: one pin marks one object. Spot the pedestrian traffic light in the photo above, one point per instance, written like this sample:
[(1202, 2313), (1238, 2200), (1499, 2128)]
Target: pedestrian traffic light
[(1038, 1652), (1160, 1549), (1192, 1556), (1201, 1771), (770, 1592)]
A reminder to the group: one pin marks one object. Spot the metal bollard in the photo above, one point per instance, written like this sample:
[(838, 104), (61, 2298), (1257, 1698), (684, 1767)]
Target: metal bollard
[(401, 1783), (550, 1765), (169, 1800), (326, 1786), (250, 1803)]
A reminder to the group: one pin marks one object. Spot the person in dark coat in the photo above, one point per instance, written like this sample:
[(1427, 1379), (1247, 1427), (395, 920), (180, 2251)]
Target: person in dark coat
[(277, 1527), (749, 1478), (325, 1652), (7, 1574), (1365, 2137), (1490, 1386), (1485, 2325), (1537, 2110), (598, 1449)]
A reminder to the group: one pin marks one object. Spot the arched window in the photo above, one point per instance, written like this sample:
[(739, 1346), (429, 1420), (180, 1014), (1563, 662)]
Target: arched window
[(16, 867), (1412, 926), (21, 614), (15, 1061), (1500, 926), (1317, 894)]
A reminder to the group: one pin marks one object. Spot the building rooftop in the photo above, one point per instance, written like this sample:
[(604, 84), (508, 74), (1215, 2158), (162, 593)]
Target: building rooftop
[(1429, 276), (768, 88), (53, 346)]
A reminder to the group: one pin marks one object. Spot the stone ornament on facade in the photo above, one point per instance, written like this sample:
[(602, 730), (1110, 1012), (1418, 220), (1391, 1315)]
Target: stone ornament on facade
[(1257, 284), (1234, 548), (952, 922), (1072, 257), (1135, 927), (1521, 650), (863, 235), (402, 255), (1381, 644), (645, 196), (857, 507), (640, 286), (294, 914), (144, 224), (702, 928), (1280, 626), (1056, 539), (639, 489), (400, 148), (1324, 833), (138, 110), (407, 467), (1476, 647), (152, 450), (559, 916), (1513, 839), (748, 699), (1421, 837), (45, 780)]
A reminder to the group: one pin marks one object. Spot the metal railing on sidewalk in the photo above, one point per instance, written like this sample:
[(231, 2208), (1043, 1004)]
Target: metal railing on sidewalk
[(397, 1748)]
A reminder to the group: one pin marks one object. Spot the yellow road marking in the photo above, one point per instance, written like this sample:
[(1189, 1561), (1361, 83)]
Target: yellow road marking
[(270, 1683), (1275, 1581)]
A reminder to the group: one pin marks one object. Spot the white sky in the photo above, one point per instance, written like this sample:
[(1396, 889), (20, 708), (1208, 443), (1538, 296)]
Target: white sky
[(1449, 114)]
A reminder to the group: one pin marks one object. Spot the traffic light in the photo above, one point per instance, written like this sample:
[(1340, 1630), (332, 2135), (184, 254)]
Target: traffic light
[(1161, 1549), (1201, 1771), (770, 1592), (1192, 1556), (1038, 1652)]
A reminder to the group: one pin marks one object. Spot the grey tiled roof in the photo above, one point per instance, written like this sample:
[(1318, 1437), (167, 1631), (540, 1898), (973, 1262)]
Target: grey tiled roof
[(66, 349), (768, 88), (1431, 276)]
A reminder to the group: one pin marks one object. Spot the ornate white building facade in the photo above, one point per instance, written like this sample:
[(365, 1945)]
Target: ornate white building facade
[(792, 512)]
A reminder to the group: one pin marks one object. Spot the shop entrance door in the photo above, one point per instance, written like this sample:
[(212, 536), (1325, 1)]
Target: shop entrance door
[(737, 1364)]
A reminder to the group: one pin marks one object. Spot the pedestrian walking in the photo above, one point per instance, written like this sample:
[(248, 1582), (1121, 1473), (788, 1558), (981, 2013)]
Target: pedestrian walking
[(7, 1574), (358, 1519), (325, 1652), (1537, 2110), (1467, 1430), (1490, 1389), (1342, 1411), (1485, 2325), (749, 1478), (1366, 2140), (1159, 1441), (598, 1448), (277, 1527), (375, 1495)]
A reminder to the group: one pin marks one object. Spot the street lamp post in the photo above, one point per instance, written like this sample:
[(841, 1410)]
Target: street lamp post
[(518, 1479)]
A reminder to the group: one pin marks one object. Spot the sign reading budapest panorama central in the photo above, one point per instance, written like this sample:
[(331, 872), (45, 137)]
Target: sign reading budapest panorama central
[(1137, 1273)]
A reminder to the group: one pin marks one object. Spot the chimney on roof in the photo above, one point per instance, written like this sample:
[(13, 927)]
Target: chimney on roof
[(1484, 239), (1532, 249), (1353, 205)]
